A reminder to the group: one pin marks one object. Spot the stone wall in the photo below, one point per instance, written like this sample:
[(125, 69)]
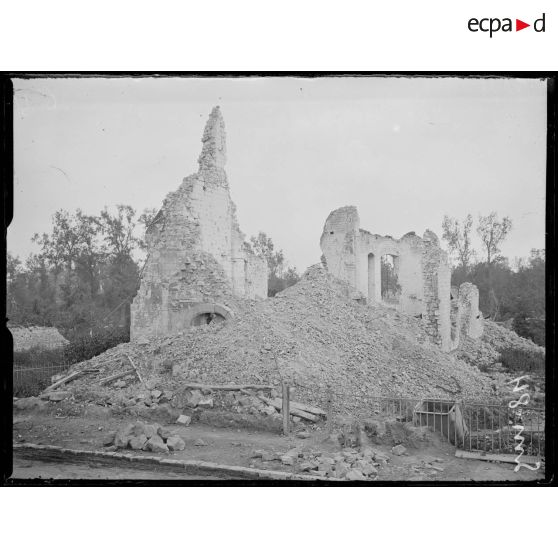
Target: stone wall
[(26, 338), (196, 251), (423, 273), (466, 318)]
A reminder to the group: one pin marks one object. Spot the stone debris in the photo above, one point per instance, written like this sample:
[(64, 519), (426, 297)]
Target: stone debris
[(206, 402), (319, 336), (156, 444), (485, 351), (200, 442), (151, 430), (143, 436), (108, 438), (176, 443), (121, 439), (59, 395), (348, 464), (399, 449), (355, 475), (270, 456), (304, 434), (164, 432), (137, 442)]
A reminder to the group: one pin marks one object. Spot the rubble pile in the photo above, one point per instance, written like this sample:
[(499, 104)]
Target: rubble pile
[(314, 335), (485, 352), (146, 437), (349, 464)]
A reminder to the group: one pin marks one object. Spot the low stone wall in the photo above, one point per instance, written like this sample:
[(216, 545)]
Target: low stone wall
[(26, 338)]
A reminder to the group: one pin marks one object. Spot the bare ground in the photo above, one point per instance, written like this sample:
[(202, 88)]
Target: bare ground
[(436, 462)]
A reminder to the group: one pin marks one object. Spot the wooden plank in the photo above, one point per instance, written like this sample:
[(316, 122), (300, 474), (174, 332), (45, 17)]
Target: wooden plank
[(329, 411), (70, 378), (278, 404), (115, 377), (229, 387), (285, 409), (135, 368), (307, 408), (500, 457)]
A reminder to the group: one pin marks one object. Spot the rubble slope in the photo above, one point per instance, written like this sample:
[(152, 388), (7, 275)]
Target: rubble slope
[(486, 351), (313, 335)]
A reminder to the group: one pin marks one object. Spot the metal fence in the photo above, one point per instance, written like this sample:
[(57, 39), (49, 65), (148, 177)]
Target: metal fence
[(493, 428), (472, 426), (31, 380)]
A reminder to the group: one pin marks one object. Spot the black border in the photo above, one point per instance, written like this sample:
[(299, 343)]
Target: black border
[(6, 177)]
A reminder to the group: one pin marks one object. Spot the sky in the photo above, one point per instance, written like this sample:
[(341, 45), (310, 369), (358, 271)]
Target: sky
[(405, 151)]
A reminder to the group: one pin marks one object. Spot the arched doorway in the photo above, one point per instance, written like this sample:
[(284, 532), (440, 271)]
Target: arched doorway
[(390, 288), (206, 318), (207, 314)]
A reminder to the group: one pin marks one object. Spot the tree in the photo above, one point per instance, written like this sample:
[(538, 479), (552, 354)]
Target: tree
[(149, 215), (278, 278), (72, 236), (492, 233), (458, 237), (84, 276), (118, 231), (263, 246)]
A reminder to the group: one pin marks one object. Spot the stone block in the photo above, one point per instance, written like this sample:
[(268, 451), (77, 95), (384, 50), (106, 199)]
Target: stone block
[(399, 449), (176, 443), (137, 442), (184, 420), (156, 445)]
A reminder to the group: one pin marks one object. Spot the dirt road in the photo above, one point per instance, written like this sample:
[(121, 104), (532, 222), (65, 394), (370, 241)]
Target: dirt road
[(435, 462), (25, 469)]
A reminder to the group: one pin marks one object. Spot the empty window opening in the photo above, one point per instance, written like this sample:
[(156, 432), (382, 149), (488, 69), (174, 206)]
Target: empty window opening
[(390, 288)]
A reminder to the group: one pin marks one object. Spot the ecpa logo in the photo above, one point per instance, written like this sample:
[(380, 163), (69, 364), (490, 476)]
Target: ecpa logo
[(492, 25)]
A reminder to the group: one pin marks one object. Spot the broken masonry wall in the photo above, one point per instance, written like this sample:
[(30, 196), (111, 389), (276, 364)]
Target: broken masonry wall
[(339, 244), (196, 251), (437, 291), (38, 337), (406, 255), (467, 320), (421, 267)]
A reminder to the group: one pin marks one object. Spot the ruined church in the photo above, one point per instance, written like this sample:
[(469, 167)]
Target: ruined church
[(197, 256), (410, 274), (198, 262)]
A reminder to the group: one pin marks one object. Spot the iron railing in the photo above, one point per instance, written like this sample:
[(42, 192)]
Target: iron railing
[(470, 425), (492, 428), (31, 380)]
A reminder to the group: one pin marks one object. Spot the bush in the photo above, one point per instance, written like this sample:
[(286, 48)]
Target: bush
[(39, 357), (522, 361), (530, 328), (31, 387), (89, 346)]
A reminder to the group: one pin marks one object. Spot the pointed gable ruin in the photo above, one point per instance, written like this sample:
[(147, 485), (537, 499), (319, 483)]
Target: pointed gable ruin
[(198, 260)]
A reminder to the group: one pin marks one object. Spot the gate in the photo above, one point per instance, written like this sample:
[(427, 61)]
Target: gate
[(476, 427)]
